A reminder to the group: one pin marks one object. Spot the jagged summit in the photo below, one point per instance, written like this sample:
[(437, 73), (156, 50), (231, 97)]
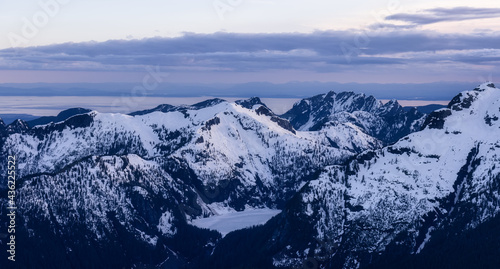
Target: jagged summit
[(321, 106), (17, 126), (250, 103), (387, 122)]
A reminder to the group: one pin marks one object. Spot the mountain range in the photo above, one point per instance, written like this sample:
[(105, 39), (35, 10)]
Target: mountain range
[(359, 184)]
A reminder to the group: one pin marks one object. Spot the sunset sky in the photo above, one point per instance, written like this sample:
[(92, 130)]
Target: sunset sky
[(238, 41)]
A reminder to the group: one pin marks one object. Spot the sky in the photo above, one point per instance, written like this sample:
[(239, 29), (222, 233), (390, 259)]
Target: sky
[(241, 41)]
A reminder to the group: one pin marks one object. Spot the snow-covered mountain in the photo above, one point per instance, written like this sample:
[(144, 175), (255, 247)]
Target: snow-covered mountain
[(439, 182), (152, 172), (238, 157), (62, 116), (98, 185), (387, 122)]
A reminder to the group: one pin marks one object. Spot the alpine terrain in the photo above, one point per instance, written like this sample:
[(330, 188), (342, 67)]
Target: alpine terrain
[(341, 180)]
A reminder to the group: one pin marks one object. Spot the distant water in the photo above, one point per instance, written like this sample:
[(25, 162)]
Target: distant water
[(51, 106)]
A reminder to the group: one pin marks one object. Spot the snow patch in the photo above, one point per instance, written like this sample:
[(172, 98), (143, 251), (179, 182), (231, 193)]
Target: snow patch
[(165, 224)]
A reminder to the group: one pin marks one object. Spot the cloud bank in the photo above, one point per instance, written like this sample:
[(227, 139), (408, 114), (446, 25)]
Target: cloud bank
[(319, 51), (436, 15), (383, 50)]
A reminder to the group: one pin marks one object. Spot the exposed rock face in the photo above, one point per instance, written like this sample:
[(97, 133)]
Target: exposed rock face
[(387, 122)]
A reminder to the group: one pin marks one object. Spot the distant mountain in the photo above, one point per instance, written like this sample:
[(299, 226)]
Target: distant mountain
[(9, 118), (294, 89), (169, 108), (161, 108), (387, 122), (63, 115), (425, 109)]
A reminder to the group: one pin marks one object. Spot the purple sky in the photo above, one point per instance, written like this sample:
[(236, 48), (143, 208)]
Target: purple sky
[(416, 42)]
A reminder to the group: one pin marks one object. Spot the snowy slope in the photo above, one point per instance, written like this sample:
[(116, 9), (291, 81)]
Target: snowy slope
[(206, 159), (91, 189), (400, 194), (142, 178)]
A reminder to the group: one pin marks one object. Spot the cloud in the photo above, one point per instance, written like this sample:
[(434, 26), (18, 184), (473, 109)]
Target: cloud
[(390, 26), (321, 51), (430, 16)]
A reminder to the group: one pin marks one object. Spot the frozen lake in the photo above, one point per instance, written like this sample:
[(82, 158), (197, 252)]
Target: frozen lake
[(236, 220)]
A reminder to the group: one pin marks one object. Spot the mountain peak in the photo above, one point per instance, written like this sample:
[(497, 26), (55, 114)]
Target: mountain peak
[(393, 102), (476, 102), (17, 126), (207, 103), (72, 112), (62, 116), (366, 112), (169, 108), (329, 94), (465, 99), (484, 86), (487, 84), (161, 108), (250, 102)]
